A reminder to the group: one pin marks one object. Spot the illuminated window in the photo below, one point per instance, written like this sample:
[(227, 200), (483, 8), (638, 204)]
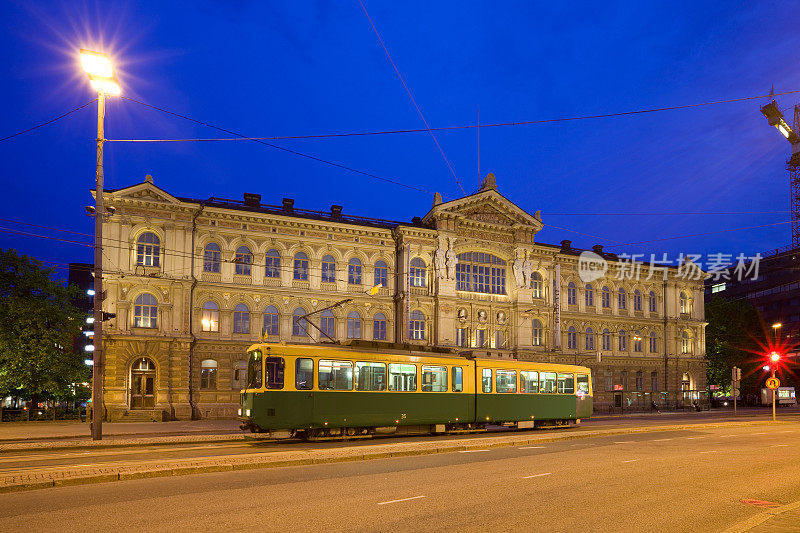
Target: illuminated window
[(686, 303), (687, 346), (637, 341), (145, 311), (417, 272), (537, 285), (538, 332), (212, 258), (480, 272), (148, 249), (209, 321), (417, 326)]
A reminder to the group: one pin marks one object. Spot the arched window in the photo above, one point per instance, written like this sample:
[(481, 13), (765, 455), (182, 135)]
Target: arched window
[(589, 339), (637, 300), (538, 332), (208, 374), (243, 259), (417, 272), (686, 342), (480, 272), (212, 257), (145, 311), (381, 274), (354, 271), (623, 300), (271, 321), (328, 269), (241, 319), (572, 294), (606, 340), (606, 299), (416, 326), (272, 262), (652, 302), (328, 323), (653, 342), (379, 327), (353, 325), (588, 295), (210, 319), (686, 303), (299, 325), (537, 285), (148, 249), (637, 341), (623, 341), (572, 338), (301, 266)]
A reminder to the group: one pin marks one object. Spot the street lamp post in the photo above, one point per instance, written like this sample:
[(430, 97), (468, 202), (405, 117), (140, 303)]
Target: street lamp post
[(775, 327), (101, 76)]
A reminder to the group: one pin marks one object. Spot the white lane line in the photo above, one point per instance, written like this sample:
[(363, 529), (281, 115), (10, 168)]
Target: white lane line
[(726, 436), (401, 500), (778, 445), (710, 451), (623, 441), (631, 460), (762, 433), (538, 475), (531, 448), (471, 451), (690, 438), (660, 440)]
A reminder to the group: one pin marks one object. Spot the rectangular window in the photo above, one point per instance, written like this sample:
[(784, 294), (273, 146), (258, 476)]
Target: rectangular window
[(499, 341), (328, 272), (402, 377), (273, 367), (434, 378), (462, 337), (654, 381), (623, 378), (608, 382), (480, 338), (335, 375), (304, 374), (528, 381), (547, 382), (639, 381), (458, 383), (583, 384), (379, 330), (208, 378), (381, 277), (506, 381), (254, 370), (566, 383), (487, 380), (272, 266), (370, 376)]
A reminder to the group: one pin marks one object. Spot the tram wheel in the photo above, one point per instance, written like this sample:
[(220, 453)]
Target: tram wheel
[(351, 432)]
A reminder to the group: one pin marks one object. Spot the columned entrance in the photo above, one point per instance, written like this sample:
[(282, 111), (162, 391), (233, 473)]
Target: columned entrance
[(143, 380)]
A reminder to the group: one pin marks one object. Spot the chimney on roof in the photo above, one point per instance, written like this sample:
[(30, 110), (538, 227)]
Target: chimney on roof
[(252, 199), (598, 249), (336, 212), (566, 245), (416, 220), (288, 205)]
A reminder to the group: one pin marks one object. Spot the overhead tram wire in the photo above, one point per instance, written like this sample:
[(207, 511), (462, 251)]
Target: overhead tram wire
[(275, 146), (408, 92), (59, 117), (423, 130)]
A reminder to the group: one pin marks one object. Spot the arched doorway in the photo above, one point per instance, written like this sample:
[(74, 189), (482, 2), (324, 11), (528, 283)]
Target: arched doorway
[(143, 381), (686, 388)]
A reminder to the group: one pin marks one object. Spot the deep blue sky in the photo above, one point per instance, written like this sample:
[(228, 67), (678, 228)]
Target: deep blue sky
[(286, 68)]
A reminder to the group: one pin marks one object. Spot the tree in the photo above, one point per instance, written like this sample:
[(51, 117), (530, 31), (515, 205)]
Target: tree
[(731, 333), (38, 323)]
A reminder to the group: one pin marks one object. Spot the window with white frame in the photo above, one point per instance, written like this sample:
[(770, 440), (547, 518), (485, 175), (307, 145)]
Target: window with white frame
[(272, 264), (243, 261), (353, 325), (208, 374), (538, 332), (328, 269), (354, 271), (148, 249), (379, 327), (537, 285), (271, 321), (209, 321), (687, 345), (381, 274), (241, 319), (328, 323), (686, 303), (212, 258), (480, 272), (301, 266), (145, 311), (416, 325), (417, 272), (588, 295)]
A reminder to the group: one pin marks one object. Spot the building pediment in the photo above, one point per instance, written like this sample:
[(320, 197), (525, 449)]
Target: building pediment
[(486, 207), (146, 191)]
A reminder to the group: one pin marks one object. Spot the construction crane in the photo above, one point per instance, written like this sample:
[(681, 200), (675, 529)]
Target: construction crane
[(792, 134)]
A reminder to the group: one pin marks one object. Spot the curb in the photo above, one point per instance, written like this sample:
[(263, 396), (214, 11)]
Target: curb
[(336, 455), (153, 441), (760, 518)]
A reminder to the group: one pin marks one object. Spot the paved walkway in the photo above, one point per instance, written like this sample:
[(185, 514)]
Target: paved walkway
[(48, 430)]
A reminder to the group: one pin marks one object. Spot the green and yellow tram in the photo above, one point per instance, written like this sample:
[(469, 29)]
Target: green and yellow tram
[(360, 388)]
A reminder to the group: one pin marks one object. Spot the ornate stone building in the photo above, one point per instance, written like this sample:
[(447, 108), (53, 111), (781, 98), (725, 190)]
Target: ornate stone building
[(194, 282)]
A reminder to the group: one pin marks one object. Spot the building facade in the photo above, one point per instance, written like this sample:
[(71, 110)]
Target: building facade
[(194, 282)]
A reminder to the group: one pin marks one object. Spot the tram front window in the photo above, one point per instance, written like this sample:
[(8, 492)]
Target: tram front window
[(254, 370)]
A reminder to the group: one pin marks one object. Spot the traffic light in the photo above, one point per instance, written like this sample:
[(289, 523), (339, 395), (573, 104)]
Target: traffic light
[(774, 357)]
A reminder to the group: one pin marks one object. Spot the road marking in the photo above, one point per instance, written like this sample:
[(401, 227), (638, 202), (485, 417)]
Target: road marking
[(762, 433), (778, 445), (726, 436), (661, 440), (631, 460), (471, 451), (538, 475), (710, 451), (401, 500), (531, 448), (623, 441), (695, 438)]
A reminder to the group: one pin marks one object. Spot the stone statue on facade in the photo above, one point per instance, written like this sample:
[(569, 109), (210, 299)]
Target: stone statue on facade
[(517, 269), (527, 270), (452, 261), (439, 261)]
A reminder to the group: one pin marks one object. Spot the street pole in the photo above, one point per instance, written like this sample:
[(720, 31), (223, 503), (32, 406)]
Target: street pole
[(98, 410), (773, 395)]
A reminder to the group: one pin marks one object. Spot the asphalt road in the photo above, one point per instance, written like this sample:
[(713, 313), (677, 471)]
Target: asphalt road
[(687, 480)]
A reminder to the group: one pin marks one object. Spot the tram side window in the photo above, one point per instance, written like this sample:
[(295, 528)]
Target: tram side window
[(547, 382), (335, 375), (273, 366), (566, 383), (583, 384), (458, 380), (402, 377), (254, 369), (506, 380), (434, 378), (304, 374), (370, 376), (528, 381), (487, 380)]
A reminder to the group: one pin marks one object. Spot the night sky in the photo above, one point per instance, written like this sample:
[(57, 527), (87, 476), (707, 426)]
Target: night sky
[(304, 68)]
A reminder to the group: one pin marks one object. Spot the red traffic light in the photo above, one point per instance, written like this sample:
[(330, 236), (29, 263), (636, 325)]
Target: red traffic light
[(775, 357)]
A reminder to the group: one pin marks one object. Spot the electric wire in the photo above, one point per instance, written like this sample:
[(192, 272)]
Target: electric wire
[(59, 117)]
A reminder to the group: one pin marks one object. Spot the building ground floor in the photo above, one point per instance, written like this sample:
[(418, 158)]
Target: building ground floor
[(162, 378)]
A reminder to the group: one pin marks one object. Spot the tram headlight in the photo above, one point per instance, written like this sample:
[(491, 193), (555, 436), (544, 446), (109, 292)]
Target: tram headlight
[(239, 413), (247, 412)]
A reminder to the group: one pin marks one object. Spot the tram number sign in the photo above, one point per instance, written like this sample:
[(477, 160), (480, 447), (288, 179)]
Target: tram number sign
[(773, 383)]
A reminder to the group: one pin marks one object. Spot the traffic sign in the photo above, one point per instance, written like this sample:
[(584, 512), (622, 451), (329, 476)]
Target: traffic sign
[(735, 392), (773, 383)]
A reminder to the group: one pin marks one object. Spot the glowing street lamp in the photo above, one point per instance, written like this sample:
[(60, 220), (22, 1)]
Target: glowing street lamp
[(103, 80), (775, 327), (775, 118)]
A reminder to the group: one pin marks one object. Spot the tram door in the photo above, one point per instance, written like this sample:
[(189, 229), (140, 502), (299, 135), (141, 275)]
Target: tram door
[(143, 380)]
